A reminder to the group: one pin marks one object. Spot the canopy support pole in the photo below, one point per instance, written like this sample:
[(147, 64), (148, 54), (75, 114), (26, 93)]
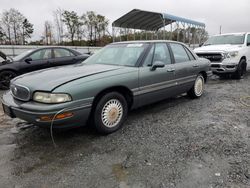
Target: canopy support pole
[(189, 36), (171, 28), (184, 33), (113, 34), (120, 35), (178, 32), (164, 33)]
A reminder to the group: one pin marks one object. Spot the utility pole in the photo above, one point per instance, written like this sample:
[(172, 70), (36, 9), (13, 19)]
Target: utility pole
[(220, 29)]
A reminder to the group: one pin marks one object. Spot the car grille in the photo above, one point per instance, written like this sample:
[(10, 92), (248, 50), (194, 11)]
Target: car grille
[(215, 66), (20, 92), (213, 57)]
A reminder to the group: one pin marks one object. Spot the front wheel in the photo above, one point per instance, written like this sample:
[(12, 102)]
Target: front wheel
[(198, 87), (110, 113), (240, 70), (5, 78)]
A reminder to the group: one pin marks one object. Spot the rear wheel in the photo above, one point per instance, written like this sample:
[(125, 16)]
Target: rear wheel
[(198, 88), (5, 78), (110, 113)]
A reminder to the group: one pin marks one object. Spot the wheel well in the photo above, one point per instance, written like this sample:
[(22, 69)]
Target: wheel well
[(120, 89), (204, 74), (9, 70)]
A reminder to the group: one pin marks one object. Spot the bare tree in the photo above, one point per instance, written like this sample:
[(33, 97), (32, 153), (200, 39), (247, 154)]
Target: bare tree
[(16, 20), (89, 20), (96, 25), (15, 26), (59, 24), (48, 32), (6, 22), (2, 35)]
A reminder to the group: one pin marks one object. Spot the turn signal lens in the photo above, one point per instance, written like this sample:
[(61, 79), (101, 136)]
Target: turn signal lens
[(58, 117)]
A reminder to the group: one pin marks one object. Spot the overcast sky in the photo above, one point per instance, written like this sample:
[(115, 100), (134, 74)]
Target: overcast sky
[(233, 15)]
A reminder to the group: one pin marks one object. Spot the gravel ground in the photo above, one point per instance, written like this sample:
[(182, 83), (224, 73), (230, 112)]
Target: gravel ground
[(175, 143)]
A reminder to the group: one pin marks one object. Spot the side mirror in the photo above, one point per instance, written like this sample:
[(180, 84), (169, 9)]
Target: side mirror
[(201, 44), (248, 44), (28, 60), (157, 64)]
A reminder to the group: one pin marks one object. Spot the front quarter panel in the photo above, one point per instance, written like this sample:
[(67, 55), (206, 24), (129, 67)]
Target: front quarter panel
[(90, 87)]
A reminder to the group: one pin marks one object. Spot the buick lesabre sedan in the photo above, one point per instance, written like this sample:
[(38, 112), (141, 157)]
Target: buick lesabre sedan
[(120, 77)]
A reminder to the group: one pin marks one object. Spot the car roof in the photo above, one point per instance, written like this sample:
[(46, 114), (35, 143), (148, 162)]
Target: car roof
[(50, 47), (146, 41)]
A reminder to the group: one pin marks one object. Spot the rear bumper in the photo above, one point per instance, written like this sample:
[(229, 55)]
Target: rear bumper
[(14, 109)]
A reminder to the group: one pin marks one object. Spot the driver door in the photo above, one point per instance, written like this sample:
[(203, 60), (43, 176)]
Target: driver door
[(39, 60), (158, 84)]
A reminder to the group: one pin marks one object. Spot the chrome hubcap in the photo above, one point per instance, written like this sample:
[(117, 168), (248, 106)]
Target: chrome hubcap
[(112, 113), (198, 87)]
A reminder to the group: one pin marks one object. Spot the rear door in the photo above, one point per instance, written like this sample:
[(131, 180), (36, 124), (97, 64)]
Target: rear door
[(185, 65), (156, 84), (39, 60), (62, 57)]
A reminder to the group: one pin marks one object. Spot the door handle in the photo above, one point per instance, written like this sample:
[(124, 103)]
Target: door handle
[(195, 65), (170, 70)]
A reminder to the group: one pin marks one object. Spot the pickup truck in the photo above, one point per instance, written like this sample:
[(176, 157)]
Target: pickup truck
[(229, 54)]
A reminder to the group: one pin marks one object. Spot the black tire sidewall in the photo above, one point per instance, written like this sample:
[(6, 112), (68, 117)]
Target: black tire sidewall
[(4, 72), (100, 127), (240, 71)]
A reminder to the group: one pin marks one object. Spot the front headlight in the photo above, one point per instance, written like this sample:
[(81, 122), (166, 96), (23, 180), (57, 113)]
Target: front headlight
[(51, 98), (231, 54)]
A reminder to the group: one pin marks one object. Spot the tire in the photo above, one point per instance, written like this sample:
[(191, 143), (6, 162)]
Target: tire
[(198, 88), (5, 78), (110, 113), (240, 70)]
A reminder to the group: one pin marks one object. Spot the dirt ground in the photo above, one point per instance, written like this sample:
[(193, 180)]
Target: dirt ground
[(175, 143)]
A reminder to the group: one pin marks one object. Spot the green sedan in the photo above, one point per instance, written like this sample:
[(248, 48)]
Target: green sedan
[(101, 90)]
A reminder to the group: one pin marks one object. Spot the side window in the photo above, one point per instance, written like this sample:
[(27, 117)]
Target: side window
[(162, 53), (62, 53), (179, 52), (248, 38), (191, 56), (41, 54)]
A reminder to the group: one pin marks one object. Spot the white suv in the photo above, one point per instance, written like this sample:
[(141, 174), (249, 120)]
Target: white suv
[(228, 53)]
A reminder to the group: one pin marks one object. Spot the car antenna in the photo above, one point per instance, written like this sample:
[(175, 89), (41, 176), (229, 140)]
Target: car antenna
[(51, 126)]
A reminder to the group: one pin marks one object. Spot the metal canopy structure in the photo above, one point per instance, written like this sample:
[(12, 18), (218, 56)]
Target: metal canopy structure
[(151, 21)]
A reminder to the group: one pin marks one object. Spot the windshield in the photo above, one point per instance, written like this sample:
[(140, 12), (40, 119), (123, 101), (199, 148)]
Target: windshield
[(22, 55), (118, 54), (225, 39)]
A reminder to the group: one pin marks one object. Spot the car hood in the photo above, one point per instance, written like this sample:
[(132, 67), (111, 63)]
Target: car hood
[(218, 48), (49, 79)]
